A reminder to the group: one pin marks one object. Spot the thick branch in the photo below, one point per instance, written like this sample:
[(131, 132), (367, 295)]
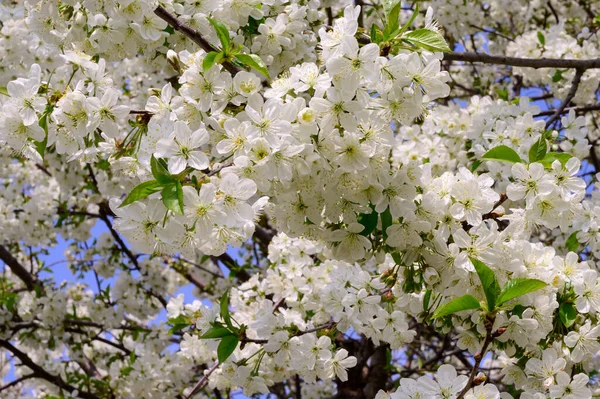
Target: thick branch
[(191, 34), (18, 269), (524, 62)]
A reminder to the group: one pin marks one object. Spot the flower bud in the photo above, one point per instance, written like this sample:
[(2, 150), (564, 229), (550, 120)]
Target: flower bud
[(174, 60)]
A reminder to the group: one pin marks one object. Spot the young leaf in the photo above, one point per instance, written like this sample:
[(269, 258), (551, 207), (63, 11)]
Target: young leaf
[(160, 171), (550, 157), (369, 221), (538, 150), (518, 287), (426, 299), (226, 347), (491, 289), (541, 38), (141, 191), (41, 145), (224, 307), (428, 39), (388, 6), (572, 242), (393, 19), (567, 314), (557, 77), (3, 91), (172, 197), (386, 221), (254, 62), (410, 21), (502, 153), (216, 332), (465, 302), (209, 60), (222, 33)]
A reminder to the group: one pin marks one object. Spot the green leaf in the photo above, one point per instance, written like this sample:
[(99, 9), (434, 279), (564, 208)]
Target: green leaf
[(226, 347), (550, 157), (428, 39), (491, 289), (518, 287), (393, 18), (465, 302), (502, 153), (178, 323), (3, 91), (388, 6), (541, 38), (475, 165), (216, 332), (254, 62), (160, 171), (374, 37), (172, 197), (386, 221), (224, 307), (141, 191), (41, 145), (222, 33), (426, 299), (538, 150), (410, 21), (567, 314), (369, 221), (572, 242), (557, 77), (502, 93), (209, 60)]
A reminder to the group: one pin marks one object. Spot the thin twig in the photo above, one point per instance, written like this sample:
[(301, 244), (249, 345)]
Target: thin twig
[(203, 381), (192, 34), (583, 108), (568, 98)]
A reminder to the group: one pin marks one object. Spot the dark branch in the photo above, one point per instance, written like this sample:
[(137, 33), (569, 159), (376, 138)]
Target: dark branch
[(39, 372), (19, 270), (580, 109), (191, 34), (523, 62), (568, 98)]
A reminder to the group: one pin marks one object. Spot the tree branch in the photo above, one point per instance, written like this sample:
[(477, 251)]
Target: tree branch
[(191, 34), (583, 108), (18, 380), (39, 372), (19, 270), (523, 62), (568, 98), (203, 381)]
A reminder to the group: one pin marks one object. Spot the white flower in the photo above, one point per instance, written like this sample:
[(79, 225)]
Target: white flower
[(529, 183), (24, 95), (447, 383), (584, 342), (351, 242), (182, 149), (566, 388), (339, 363), (106, 113)]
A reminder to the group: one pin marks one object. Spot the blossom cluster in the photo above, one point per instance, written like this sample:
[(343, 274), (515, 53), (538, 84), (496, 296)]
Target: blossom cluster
[(366, 206)]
